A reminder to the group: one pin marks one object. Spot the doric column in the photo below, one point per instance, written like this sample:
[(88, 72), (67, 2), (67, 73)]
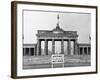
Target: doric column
[(53, 47), (24, 51), (83, 51), (62, 47), (38, 47), (72, 49), (46, 47), (29, 51), (79, 51), (75, 47), (87, 51), (69, 47), (35, 50)]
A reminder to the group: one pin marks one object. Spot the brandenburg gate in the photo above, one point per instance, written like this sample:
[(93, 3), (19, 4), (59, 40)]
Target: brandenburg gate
[(57, 34)]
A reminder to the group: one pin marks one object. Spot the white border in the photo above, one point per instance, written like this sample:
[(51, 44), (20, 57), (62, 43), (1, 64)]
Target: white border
[(30, 72)]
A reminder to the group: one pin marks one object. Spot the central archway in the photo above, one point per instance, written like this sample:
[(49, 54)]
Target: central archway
[(57, 47)]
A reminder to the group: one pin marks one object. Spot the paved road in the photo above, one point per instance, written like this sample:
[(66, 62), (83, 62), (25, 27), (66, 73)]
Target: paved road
[(45, 62), (37, 66)]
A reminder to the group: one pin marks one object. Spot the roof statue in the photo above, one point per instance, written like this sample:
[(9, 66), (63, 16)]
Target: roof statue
[(56, 32), (57, 20), (58, 29)]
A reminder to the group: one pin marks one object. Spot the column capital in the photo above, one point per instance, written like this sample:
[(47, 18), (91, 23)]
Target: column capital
[(76, 40), (53, 39), (45, 39), (69, 39)]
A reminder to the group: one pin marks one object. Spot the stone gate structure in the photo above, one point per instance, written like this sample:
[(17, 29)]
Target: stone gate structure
[(59, 34)]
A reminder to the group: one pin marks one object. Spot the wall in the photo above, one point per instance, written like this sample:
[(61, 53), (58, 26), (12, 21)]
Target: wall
[(5, 41)]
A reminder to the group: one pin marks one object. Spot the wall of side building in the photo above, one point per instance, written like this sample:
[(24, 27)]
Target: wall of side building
[(84, 49), (29, 49)]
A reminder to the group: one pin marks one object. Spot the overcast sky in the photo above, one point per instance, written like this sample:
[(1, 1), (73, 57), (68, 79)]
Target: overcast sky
[(36, 20)]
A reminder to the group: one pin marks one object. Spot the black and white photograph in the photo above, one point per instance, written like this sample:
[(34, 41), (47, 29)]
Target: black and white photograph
[(53, 39), (56, 39)]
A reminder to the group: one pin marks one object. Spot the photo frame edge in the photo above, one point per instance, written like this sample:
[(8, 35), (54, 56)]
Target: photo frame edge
[(14, 38)]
